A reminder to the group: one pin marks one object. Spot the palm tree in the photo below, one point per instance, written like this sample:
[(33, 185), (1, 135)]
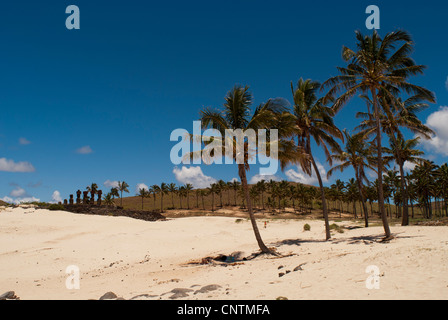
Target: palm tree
[(398, 114), (114, 193), (313, 120), (172, 188), (235, 185), (203, 193), (358, 155), (163, 190), (377, 67), (424, 181), (403, 151), (108, 199), (154, 189), (213, 189), (222, 187), (143, 193), (188, 188), (236, 115), (92, 189), (442, 181), (181, 192), (262, 188), (122, 187)]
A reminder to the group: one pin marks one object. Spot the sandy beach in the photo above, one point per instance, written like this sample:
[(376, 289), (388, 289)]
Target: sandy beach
[(162, 260)]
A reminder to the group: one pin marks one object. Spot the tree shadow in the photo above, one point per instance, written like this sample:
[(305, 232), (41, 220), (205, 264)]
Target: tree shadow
[(296, 242)]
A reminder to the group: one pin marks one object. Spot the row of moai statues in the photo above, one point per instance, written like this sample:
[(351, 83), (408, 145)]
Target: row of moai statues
[(85, 199)]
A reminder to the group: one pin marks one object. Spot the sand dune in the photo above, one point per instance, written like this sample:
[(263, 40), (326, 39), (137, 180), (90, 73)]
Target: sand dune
[(161, 260)]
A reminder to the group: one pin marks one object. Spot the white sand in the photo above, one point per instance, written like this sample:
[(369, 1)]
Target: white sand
[(132, 257)]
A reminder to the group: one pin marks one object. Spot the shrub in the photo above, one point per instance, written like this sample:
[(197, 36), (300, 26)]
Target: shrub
[(307, 227), (55, 207), (337, 228)]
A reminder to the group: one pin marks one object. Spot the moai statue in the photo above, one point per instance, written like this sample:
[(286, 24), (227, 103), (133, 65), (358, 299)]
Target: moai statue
[(78, 197), (92, 198), (65, 202), (71, 200), (84, 198), (100, 193)]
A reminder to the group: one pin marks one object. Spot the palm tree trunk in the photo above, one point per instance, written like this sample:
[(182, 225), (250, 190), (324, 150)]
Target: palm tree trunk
[(363, 202), (161, 202), (188, 201), (324, 203), (261, 245), (380, 166)]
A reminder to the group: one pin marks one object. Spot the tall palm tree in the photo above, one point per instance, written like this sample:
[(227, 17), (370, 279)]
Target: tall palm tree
[(172, 188), (213, 189), (163, 190), (188, 188), (92, 189), (403, 151), (441, 175), (357, 154), (396, 114), (114, 193), (314, 120), (236, 115), (377, 66), (181, 192), (143, 193), (262, 188), (122, 187), (222, 187), (154, 189), (203, 193), (235, 185)]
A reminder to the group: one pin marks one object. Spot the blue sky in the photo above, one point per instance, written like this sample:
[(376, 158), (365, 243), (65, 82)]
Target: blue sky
[(99, 104)]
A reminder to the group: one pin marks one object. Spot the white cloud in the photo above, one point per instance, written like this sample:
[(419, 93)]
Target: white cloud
[(24, 141), (301, 177), (194, 176), (56, 197), (141, 186), (19, 195), (234, 179), (84, 150), (111, 184), (438, 122), (18, 192), (408, 166), (11, 166), (257, 178)]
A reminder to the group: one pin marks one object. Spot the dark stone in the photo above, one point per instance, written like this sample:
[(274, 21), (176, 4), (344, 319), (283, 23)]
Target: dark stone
[(10, 295), (108, 296)]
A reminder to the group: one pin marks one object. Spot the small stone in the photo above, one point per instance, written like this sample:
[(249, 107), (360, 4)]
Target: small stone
[(281, 274), (108, 296), (10, 295)]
